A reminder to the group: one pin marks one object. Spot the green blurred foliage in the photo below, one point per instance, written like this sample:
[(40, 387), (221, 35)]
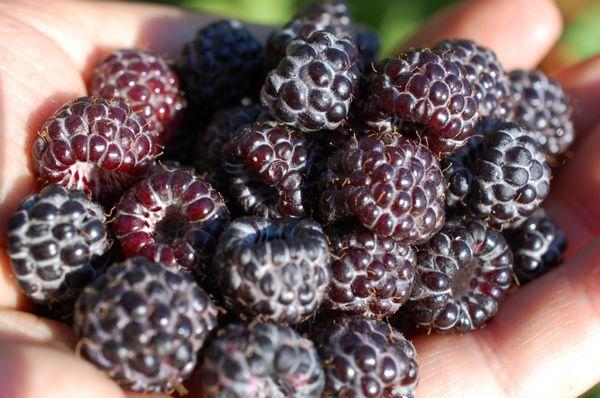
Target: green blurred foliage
[(393, 19), (396, 20), (582, 33)]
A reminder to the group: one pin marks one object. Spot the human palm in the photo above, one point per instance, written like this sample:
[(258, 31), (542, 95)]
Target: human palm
[(545, 340)]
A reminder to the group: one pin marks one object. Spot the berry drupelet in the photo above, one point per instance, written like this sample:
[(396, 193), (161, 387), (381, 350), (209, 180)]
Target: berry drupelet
[(260, 360), (370, 275), (147, 83), (222, 65), (276, 270), (55, 243), (94, 145), (391, 185), (332, 16), (266, 163), (538, 245), (463, 273), (313, 86), (366, 358), (172, 216), (542, 106), (143, 324), (484, 71), (431, 91)]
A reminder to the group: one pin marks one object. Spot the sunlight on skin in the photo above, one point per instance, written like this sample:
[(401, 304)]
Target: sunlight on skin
[(541, 332), (520, 32)]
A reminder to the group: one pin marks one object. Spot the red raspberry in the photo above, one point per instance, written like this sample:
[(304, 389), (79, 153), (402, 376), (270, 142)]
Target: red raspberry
[(94, 145), (172, 216), (144, 81)]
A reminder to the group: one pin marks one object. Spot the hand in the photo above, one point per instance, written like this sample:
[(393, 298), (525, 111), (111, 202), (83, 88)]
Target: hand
[(544, 342)]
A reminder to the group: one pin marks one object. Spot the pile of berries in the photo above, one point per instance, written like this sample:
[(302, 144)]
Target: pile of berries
[(325, 193)]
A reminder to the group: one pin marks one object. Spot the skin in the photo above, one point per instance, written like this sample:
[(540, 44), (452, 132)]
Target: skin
[(545, 340)]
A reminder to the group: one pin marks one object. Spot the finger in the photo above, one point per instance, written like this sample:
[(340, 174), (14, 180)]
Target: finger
[(521, 32), (544, 342), (33, 371), (38, 350), (582, 83), (23, 327), (575, 191), (36, 78), (87, 30)]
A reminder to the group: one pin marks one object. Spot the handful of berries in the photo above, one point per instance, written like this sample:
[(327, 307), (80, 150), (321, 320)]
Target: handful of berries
[(260, 218)]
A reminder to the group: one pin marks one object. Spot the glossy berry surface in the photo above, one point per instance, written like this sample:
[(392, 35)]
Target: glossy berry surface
[(94, 145), (485, 72), (542, 106), (261, 360), (332, 16), (266, 163), (391, 185), (147, 83), (371, 276), (143, 324), (222, 65), (172, 216), (275, 270), (55, 241), (312, 86), (430, 90), (538, 245), (366, 358), (463, 274), (512, 176)]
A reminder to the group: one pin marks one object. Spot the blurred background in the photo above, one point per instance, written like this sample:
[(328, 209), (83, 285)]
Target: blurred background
[(396, 20)]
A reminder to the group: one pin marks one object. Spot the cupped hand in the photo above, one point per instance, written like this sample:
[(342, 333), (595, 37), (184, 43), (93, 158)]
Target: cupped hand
[(545, 340)]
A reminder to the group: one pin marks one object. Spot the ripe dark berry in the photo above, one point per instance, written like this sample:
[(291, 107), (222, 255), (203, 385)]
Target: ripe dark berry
[(459, 168), (143, 323), (542, 107), (55, 241), (261, 360), (463, 273), (172, 216), (431, 90), (266, 163), (370, 275), (221, 128), (512, 176), (366, 358), (147, 83), (312, 87), (94, 145), (332, 16), (538, 245), (276, 270), (391, 185), (222, 65), (484, 71)]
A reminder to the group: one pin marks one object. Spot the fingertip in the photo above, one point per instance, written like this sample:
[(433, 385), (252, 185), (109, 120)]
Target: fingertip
[(582, 83), (28, 371), (521, 32)]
